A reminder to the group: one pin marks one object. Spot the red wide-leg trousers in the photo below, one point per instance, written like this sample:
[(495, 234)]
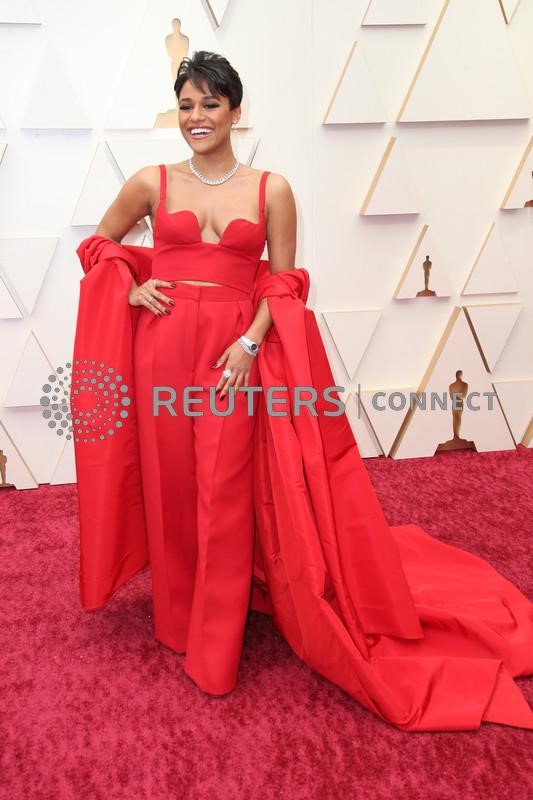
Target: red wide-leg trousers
[(197, 477)]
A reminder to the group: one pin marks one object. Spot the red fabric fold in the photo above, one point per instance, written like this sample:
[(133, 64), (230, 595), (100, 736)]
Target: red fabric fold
[(424, 635)]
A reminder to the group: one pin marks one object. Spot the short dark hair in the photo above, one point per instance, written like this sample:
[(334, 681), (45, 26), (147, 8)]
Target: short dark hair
[(221, 77)]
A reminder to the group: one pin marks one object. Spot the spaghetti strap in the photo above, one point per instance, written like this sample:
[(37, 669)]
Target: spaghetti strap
[(262, 192), (162, 183)]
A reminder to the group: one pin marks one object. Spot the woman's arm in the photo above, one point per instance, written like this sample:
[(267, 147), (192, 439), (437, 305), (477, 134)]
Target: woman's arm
[(281, 241), (132, 203)]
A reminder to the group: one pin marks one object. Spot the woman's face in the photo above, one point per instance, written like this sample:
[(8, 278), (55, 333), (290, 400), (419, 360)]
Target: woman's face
[(200, 109)]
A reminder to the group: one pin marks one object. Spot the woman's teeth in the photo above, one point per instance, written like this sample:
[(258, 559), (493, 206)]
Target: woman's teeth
[(199, 133)]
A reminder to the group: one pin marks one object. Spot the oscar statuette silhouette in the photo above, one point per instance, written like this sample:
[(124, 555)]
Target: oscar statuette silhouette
[(458, 391)]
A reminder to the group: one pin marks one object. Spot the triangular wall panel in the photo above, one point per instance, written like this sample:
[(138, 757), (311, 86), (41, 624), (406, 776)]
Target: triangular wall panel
[(54, 102), (392, 190), (102, 184), (492, 326), (424, 257), (351, 332), (468, 70), (492, 272), (355, 98), (520, 190), (25, 262), (516, 398), (30, 375)]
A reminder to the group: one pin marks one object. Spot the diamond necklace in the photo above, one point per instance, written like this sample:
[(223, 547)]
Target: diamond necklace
[(214, 181)]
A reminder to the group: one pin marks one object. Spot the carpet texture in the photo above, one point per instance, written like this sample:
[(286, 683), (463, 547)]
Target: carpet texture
[(94, 708)]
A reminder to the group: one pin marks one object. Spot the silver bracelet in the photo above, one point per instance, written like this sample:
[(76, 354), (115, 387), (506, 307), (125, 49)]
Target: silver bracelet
[(251, 347)]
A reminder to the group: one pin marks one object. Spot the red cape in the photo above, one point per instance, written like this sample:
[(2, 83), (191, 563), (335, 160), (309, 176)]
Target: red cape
[(425, 635)]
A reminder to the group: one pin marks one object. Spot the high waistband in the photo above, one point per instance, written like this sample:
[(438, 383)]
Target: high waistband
[(195, 292)]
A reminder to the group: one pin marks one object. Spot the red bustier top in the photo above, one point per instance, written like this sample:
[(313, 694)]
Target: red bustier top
[(180, 254)]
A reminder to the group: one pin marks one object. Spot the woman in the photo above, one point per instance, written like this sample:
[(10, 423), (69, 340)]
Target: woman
[(401, 621), (211, 216)]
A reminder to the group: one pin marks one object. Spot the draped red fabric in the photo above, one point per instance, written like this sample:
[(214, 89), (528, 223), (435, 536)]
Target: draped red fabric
[(424, 635)]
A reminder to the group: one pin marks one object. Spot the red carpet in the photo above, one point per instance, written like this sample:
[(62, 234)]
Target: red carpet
[(94, 708)]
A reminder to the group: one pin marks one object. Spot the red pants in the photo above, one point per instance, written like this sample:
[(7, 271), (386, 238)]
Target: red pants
[(197, 474)]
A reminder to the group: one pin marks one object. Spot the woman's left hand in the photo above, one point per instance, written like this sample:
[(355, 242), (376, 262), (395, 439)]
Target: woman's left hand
[(239, 362)]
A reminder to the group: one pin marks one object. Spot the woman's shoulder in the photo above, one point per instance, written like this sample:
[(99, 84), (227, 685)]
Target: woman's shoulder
[(144, 181), (277, 187), (273, 177), (276, 184)]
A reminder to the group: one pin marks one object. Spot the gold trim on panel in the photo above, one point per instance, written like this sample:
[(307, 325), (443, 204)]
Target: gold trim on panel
[(478, 257), (366, 12), (474, 334), (423, 60), (377, 176), (473, 330), (411, 259), (211, 8), (502, 7), (527, 438), (359, 403), (498, 400), (339, 82), (502, 409), (504, 11), (518, 172)]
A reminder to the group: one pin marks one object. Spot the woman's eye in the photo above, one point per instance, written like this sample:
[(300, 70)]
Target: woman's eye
[(207, 105)]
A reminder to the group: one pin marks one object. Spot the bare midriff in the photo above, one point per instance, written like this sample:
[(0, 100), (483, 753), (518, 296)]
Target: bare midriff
[(200, 283)]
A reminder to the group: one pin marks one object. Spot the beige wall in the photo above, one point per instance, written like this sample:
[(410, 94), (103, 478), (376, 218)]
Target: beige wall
[(425, 127)]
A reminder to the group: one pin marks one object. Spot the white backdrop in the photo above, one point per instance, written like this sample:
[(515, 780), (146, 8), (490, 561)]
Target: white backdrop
[(400, 140)]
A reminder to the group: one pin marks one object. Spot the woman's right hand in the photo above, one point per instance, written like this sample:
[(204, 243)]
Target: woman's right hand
[(147, 295)]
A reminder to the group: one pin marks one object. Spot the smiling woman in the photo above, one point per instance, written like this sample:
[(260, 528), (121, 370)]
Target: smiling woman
[(212, 217)]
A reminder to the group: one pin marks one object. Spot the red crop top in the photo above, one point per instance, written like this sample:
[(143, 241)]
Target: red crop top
[(180, 254)]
